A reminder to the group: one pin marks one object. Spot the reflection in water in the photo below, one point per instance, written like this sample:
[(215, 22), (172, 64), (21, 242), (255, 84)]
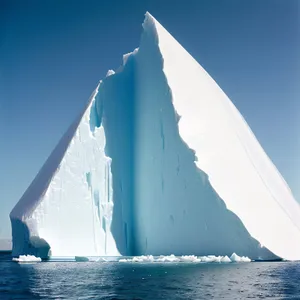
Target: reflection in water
[(70, 280)]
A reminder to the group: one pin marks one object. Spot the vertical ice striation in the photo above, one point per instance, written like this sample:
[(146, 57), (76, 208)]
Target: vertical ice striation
[(159, 162)]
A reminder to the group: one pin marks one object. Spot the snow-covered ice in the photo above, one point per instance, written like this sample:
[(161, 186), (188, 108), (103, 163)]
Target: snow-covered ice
[(159, 161)]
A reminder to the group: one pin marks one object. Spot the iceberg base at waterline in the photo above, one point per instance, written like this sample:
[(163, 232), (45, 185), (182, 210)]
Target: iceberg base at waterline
[(185, 259)]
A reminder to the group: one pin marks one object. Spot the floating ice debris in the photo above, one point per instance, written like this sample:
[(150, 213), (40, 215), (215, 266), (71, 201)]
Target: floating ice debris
[(148, 258), (102, 259), (225, 259), (27, 259), (190, 258), (81, 259), (235, 258), (168, 258), (187, 259), (91, 259), (143, 258)]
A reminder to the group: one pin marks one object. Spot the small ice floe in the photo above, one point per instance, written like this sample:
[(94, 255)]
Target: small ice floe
[(146, 258), (143, 258), (225, 259), (235, 258), (168, 258), (101, 259), (27, 259), (90, 259), (190, 258), (81, 259)]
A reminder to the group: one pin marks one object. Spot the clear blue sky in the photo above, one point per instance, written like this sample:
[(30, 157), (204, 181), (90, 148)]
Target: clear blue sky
[(53, 53)]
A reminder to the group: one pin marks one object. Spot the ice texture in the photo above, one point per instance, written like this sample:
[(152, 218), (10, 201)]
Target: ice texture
[(160, 161)]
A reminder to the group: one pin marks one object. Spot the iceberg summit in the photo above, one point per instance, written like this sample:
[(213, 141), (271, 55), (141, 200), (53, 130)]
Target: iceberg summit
[(159, 162)]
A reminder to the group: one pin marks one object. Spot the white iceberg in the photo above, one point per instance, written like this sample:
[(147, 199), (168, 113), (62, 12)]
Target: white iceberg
[(159, 161)]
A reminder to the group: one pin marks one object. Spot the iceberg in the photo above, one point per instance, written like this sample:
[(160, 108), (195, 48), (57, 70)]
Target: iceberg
[(159, 161)]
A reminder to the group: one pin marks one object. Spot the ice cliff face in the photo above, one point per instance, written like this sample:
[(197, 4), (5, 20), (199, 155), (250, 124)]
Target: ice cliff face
[(159, 162), (69, 205)]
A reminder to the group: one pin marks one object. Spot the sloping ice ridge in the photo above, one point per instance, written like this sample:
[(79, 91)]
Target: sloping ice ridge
[(160, 161), (227, 150)]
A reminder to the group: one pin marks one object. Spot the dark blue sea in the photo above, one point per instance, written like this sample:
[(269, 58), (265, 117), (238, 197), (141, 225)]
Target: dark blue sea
[(114, 280)]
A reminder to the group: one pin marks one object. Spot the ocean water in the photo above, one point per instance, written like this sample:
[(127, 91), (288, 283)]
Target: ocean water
[(115, 280)]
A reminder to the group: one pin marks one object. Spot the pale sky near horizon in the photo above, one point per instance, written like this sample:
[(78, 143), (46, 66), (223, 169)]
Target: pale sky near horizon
[(53, 53)]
